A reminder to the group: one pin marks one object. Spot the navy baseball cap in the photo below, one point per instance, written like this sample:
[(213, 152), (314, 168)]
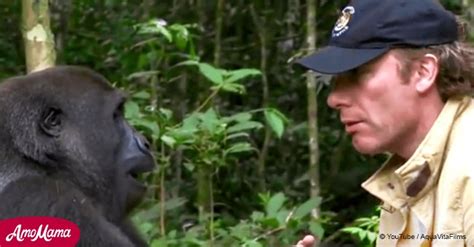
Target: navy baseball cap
[(367, 29)]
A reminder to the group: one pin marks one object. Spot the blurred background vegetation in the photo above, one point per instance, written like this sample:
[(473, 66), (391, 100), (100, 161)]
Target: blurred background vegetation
[(212, 85)]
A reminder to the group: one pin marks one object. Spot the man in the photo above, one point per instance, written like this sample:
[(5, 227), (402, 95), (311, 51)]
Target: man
[(402, 81)]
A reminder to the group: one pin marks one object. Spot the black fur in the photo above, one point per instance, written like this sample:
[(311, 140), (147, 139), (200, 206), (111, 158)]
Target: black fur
[(66, 151)]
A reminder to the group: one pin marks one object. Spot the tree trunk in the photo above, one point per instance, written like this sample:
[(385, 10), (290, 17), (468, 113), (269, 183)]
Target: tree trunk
[(217, 38), (37, 35), (203, 200), (203, 191), (260, 26), (60, 12), (312, 106)]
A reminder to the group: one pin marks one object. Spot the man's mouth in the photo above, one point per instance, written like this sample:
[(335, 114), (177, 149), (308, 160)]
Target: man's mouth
[(351, 126)]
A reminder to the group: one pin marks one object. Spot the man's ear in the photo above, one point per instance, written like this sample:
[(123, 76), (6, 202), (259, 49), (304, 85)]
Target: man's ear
[(427, 71)]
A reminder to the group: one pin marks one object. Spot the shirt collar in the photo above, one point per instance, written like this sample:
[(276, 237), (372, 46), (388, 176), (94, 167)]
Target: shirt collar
[(399, 183)]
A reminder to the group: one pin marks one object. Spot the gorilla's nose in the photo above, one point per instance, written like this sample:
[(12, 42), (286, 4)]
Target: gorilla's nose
[(142, 143)]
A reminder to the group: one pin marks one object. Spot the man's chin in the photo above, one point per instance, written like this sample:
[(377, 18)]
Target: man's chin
[(366, 147)]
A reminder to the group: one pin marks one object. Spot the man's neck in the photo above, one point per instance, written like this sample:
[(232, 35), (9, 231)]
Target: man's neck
[(413, 139)]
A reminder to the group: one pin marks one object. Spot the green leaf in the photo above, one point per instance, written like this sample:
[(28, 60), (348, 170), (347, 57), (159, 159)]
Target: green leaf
[(274, 204), (244, 126), (180, 42), (282, 215), (150, 125), (142, 61), (172, 234), (145, 227), (305, 208), (167, 113), (153, 213), (351, 229), (189, 166), (239, 147), (237, 135), (257, 216), (316, 229), (181, 35), (209, 120), (184, 134), (233, 88), (279, 114), (188, 63), (270, 222), (132, 110), (252, 243), (190, 123), (158, 243), (155, 27), (239, 117), (141, 95), (162, 30), (211, 73), (174, 203), (372, 236), (275, 121), (239, 74), (168, 140), (362, 235), (241, 231), (143, 74)]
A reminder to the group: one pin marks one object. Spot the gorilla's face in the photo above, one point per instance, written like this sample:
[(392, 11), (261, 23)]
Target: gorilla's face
[(135, 158), (69, 122)]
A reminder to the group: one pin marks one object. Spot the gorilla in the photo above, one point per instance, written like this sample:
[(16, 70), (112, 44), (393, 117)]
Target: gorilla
[(66, 151)]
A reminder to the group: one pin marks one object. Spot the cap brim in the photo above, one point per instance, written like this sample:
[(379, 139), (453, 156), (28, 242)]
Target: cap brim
[(335, 60)]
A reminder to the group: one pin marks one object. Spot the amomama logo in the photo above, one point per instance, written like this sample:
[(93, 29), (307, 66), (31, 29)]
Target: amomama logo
[(38, 231)]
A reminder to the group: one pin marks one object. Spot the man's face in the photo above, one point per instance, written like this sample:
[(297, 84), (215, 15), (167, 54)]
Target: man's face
[(379, 109)]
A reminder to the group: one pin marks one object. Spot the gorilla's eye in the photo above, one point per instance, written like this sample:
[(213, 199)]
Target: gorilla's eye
[(52, 118), (51, 122)]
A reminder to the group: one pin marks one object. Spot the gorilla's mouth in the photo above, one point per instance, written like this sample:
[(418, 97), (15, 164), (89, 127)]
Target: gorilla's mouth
[(134, 175), (137, 185), (139, 167), (136, 189)]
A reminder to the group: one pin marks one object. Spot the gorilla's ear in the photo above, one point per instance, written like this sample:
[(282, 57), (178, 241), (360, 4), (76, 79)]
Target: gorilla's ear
[(50, 122)]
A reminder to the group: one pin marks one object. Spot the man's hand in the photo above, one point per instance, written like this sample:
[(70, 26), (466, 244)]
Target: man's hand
[(307, 241)]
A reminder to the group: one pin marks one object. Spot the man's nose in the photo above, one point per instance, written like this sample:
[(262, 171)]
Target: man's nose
[(335, 98)]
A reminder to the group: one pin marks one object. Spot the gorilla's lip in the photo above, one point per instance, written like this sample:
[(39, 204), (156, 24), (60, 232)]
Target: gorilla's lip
[(136, 183), (136, 191), (140, 166)]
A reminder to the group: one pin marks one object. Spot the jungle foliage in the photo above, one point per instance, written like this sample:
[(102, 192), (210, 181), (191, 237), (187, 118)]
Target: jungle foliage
[(213, 86)]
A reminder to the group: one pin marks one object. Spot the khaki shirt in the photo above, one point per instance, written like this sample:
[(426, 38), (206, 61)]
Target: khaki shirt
[(429, 199)]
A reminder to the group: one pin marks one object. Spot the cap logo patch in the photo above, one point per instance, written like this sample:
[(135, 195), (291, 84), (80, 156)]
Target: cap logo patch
[(341, 23)]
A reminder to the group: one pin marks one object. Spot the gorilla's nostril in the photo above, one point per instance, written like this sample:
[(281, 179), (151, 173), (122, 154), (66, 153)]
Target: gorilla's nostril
[(142, 144), (147, 145)]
